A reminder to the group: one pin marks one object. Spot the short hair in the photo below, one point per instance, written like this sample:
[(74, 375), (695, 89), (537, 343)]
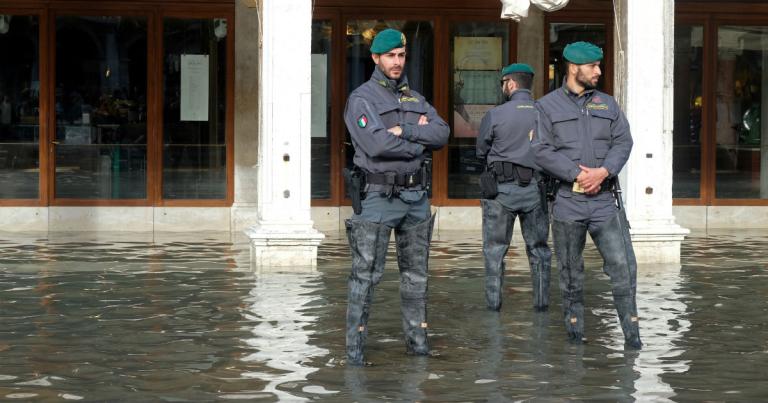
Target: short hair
[(523, 80)]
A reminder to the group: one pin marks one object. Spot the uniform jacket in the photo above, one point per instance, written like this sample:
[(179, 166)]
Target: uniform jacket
[(381, 103), (506, 130), (574, 130)]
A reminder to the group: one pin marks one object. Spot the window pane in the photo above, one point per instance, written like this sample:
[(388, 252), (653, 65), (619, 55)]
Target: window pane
[(686, 159), (101, 107), (19, 115), (194, 108), (741, 96), (478, 52), (321, 109), (419, 66), (560, 35)]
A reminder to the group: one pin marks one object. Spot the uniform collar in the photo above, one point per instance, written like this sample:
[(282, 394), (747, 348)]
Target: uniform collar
[(521, 95), (400, 85), (586, 93)]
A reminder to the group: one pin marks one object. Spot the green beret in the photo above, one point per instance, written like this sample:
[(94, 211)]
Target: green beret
[(582, 53), (387, 40), (516, 68)]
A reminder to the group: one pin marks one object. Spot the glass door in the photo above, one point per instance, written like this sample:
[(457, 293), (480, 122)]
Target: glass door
[(19, 107), (195, 107), (100, 133), (478, 51), (741, 96)]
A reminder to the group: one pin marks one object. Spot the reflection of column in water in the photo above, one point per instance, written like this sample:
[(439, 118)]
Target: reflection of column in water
[(662, 325), (278, 305)]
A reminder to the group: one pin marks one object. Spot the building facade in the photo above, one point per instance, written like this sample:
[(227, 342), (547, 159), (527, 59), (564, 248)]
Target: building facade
[(152, 115)]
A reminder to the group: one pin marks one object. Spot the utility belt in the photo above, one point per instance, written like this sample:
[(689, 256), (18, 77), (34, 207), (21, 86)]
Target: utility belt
[(358, 182), (511, 172), (608, 185), (406, 180), (503, 172)]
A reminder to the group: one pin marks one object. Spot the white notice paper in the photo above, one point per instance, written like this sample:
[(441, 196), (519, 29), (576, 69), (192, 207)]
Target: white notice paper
[(194, 88)]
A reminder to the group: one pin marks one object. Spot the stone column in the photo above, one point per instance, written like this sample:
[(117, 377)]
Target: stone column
[(244, 212), (647, 55), (284, 234)]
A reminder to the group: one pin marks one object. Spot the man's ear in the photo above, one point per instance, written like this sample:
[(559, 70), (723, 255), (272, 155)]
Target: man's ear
[(375, 57)]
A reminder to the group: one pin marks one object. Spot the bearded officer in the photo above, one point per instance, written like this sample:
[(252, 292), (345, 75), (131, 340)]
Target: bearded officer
[(582, 138), (504, 143), (392, 128)]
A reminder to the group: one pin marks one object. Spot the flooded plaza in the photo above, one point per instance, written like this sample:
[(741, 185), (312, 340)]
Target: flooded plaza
[(116, 317)]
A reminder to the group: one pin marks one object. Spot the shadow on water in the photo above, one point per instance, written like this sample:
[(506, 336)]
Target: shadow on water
[(145, 317)]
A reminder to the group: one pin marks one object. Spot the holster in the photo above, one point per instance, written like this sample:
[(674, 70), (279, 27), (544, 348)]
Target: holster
[(548, 186), (489, 187), (354, 181)]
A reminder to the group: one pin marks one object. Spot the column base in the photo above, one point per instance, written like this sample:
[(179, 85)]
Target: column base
[(655, 242), (288, 245)]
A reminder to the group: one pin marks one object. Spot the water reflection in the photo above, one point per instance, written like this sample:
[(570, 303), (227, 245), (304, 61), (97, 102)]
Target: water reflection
[(664, 319), (281, 305), (115, 318)]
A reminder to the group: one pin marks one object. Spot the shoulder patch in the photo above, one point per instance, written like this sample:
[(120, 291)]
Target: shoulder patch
[(362, 121), (409, 99)]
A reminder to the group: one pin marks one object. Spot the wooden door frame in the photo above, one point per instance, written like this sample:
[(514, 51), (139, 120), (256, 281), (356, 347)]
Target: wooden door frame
[(154, 11), (442, 14), (442, 158), (43, 107), (184, 12), (706, 184), (712, 17), (441, 20)]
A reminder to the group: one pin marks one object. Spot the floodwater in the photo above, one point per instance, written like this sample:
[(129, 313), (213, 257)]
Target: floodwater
[(100, 317)]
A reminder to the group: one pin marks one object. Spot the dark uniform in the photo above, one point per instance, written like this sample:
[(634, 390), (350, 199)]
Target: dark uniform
[(395, 196), (588, 129), (504, 142)]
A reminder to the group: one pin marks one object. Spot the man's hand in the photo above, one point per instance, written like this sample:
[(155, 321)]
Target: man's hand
[(423, 120), (590, 179), (396, 130)]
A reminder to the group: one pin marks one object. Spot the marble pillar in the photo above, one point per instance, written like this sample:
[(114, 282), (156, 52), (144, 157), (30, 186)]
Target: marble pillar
[(646, 51), (284, 235)]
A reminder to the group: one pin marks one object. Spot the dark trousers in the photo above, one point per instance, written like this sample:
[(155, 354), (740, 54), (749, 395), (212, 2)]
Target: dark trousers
[(368, 235), (498, 222), (612, 239)]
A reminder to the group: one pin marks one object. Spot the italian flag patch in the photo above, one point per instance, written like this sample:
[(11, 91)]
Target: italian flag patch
[(362, 121)]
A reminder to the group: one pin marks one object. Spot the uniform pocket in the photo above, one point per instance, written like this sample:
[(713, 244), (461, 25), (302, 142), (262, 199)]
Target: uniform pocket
[(601, 123), (388, 112), (565, 126), (413, 111)]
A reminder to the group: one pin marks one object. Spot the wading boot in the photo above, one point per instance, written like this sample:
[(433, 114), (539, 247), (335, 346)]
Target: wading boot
[(368, 243), (569, 238), (535, 228), (613, 241), (497, 233), (412, 258)]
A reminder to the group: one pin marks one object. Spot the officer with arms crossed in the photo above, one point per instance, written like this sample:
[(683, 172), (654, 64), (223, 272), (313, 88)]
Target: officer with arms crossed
[(391, 127), (509, 187), (583, 139)]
